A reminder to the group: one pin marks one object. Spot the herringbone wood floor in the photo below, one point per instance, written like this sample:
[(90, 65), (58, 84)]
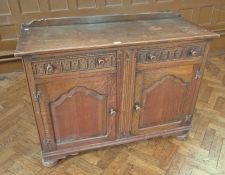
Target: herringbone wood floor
[(202, 154)]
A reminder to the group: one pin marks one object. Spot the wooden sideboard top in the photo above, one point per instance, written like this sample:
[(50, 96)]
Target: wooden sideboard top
[(79, 33)]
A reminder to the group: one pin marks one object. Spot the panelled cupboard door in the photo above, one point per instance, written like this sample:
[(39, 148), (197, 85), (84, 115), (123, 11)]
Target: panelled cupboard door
[(163, 98), (79, 111)]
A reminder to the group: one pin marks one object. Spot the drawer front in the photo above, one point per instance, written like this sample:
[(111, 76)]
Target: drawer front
[(73, 63), (165, 53)]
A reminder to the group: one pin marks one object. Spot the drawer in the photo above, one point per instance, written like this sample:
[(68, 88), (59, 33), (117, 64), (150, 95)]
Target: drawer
[(165, 53), (73, 63)]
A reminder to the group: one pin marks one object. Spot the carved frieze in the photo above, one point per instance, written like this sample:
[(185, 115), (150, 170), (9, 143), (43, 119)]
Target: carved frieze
[(73, 63), (151, 55)]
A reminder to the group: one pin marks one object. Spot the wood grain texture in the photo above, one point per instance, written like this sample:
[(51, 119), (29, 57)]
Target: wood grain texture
[(168, 93), (73, 63), (13, 13), (69, 103), (202, 154), (165, 96), (126, 77), (80, 109), (67, 113), (98, 35)]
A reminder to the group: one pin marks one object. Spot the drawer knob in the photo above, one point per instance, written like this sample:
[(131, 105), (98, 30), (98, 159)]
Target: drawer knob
[(101, 61), (151, 57), (194, 53), (137, 107), (112, 111), (49, 68)]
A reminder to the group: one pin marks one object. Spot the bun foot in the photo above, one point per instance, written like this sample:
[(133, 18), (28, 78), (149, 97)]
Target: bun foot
[(182, 137), (49, 163)]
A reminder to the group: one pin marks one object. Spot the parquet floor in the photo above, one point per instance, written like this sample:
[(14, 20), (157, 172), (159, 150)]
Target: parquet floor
[(202, 154)]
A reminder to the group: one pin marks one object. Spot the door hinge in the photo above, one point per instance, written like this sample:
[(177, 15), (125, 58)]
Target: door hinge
[(187, 119), (37, 95), (198, 74)]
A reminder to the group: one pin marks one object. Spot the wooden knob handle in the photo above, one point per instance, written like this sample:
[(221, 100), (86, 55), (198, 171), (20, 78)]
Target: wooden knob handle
[(112, 111), (101, 61), (49, 68), (194, 53), (137, 107), (151, 57)]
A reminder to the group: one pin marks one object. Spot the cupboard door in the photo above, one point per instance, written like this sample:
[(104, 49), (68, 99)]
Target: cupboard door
[(79, 111), (163, 98)]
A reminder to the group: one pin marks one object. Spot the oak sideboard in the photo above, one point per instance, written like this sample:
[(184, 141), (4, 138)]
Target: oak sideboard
[(99, 81)]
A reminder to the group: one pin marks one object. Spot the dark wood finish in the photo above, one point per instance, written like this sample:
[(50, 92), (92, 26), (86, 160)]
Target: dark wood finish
[(162, 97), (207, 13), (107, 34), (100, 19), (20, 151), (80, 110), (13, 13), (107, 83)]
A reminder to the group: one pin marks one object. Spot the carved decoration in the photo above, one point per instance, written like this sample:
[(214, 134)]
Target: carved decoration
[(75, 63), (167, 77), (73, 91), (172, 100), (95, 114), (145, 56), (39, 68)]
